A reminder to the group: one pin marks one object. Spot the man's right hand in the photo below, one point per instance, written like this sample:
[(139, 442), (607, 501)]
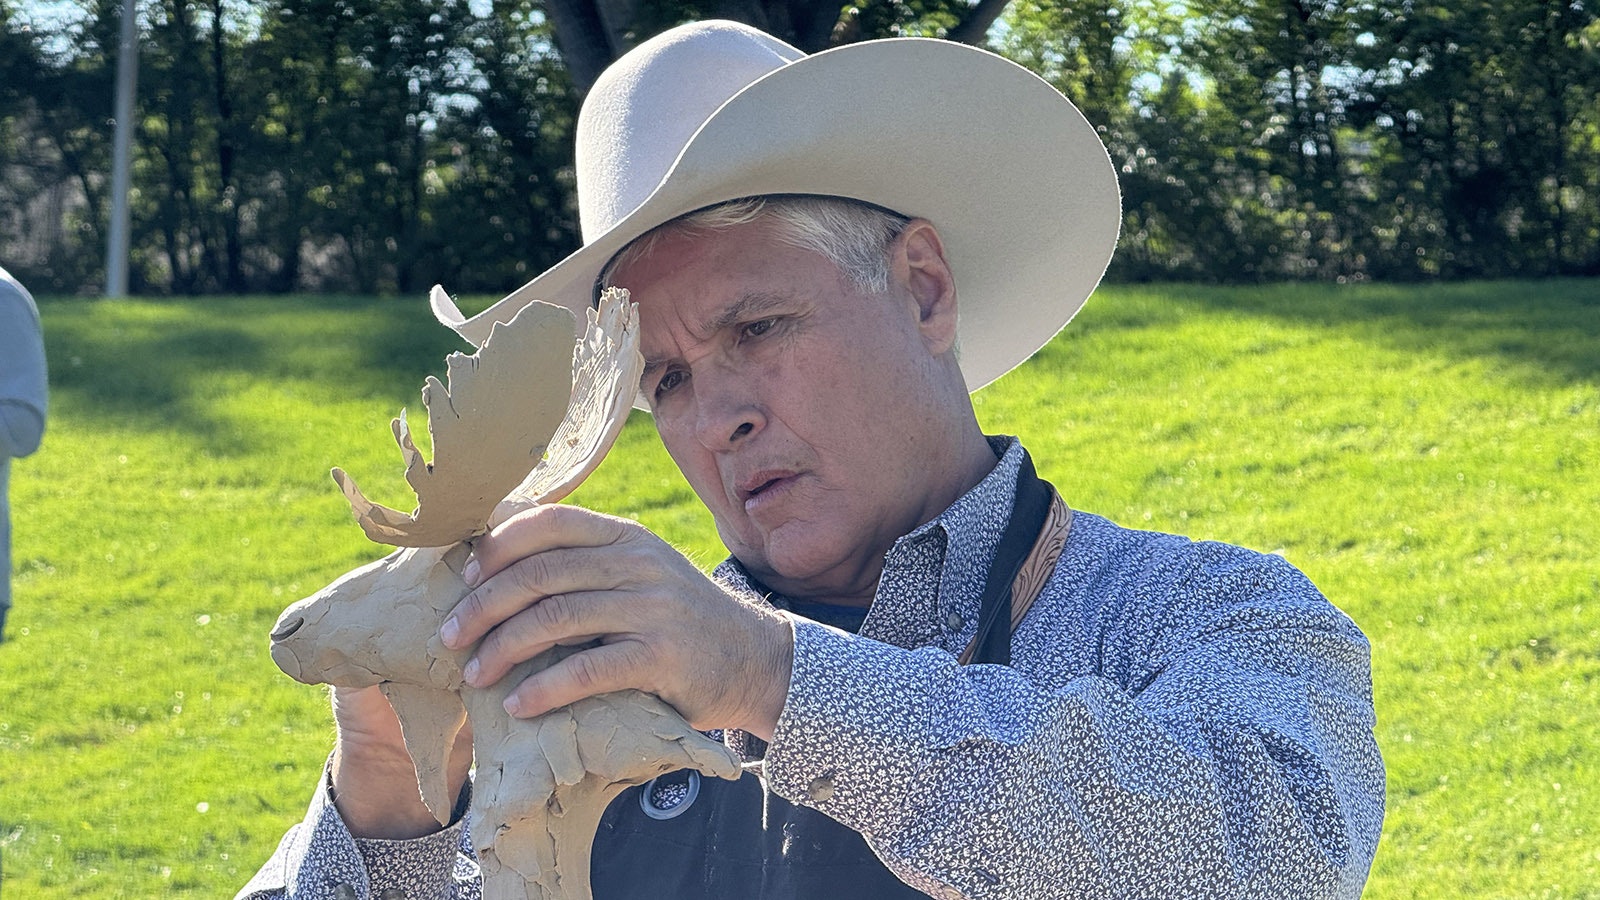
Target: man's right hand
[(559, 574), (374, 779)]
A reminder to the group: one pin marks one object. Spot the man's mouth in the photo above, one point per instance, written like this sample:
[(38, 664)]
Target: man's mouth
[(761, 483)]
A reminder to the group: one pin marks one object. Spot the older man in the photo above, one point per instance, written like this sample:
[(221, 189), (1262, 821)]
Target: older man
[(955, 684), (23, 400)]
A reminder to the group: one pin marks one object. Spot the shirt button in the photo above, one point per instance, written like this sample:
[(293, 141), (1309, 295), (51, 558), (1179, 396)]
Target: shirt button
[(393, 894), (954, 621), (821, 789), (345, 891)]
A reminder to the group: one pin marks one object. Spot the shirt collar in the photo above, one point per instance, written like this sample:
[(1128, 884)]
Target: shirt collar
[(969, 530)]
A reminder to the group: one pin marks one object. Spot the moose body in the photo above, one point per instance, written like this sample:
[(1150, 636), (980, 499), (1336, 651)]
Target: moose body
[(541, 784)]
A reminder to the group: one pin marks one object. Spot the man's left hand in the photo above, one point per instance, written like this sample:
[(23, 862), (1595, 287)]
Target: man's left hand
[(566, 575)]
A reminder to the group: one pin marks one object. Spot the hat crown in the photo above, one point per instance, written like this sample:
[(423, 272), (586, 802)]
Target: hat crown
[(643, 110), (1015, 178)]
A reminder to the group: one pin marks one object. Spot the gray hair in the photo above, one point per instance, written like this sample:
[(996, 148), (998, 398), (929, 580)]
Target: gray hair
[(852, 235)]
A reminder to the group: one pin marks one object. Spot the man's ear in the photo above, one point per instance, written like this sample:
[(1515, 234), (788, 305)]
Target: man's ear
[(917, 263)]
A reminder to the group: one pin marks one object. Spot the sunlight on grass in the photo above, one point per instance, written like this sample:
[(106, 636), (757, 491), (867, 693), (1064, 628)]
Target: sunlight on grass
[(1429, 455)]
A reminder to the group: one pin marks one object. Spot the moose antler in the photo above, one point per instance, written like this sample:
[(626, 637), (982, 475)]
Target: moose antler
[(484, 442), (524, 422), (602, 396)]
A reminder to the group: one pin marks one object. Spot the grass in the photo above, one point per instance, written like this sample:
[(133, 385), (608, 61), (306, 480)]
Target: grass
[(1430, 455)]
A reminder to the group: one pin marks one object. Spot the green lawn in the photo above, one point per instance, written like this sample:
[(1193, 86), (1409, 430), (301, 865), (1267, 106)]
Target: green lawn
[(1430, 455)]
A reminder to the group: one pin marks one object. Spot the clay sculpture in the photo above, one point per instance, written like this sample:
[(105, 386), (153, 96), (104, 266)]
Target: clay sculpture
[(522, 422)]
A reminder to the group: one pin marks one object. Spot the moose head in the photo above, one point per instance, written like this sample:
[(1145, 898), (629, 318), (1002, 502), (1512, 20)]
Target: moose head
[(523, 422)]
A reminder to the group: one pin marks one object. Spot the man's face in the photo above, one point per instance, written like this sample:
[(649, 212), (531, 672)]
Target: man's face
[(800, 409)]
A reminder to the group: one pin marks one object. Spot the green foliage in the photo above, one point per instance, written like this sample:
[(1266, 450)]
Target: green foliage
[(1427, 455), (386, 145), (1488, 112), (374, 145), (1264, 139)]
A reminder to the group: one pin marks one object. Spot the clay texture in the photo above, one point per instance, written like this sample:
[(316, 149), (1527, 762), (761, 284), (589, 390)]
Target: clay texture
[(522, 422)]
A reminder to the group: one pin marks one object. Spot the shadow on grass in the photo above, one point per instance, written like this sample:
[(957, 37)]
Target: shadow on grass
[(148, 363), (1552, 326)]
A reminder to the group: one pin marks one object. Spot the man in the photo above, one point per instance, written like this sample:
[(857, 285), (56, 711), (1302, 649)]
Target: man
[(1141, 715), (22, 405)]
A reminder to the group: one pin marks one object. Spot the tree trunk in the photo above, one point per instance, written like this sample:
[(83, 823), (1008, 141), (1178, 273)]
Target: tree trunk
[(581, 37), (974, 28), (232, 276)]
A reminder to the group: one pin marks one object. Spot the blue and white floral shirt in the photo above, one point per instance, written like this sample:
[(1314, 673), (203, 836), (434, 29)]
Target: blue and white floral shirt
[(1179, 719)]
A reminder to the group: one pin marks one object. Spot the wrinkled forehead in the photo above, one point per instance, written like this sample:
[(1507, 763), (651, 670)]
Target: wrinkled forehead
[(638, 249), (850, 233), (646, 244)]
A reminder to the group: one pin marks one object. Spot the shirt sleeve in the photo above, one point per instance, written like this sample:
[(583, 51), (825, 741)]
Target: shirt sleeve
[(318, 859), (21, 428), (1228, 753), (23, 389)]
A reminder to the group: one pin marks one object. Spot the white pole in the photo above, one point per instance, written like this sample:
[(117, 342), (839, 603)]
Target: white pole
[(127, 74)]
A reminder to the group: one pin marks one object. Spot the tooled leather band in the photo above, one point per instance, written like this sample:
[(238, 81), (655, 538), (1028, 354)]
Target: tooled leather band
[(1021, 567)]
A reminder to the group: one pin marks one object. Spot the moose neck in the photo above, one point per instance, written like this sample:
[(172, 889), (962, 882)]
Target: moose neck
[(522, 766)]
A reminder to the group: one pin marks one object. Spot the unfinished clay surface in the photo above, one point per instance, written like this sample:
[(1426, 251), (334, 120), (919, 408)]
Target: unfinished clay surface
[(541, 784), (489, 430)]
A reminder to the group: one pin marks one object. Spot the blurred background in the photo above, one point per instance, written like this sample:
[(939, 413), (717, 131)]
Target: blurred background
[(381, 146), (1415, 423)]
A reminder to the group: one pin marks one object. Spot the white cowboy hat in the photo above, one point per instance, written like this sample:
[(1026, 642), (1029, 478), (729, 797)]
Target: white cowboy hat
[(1012, 175)]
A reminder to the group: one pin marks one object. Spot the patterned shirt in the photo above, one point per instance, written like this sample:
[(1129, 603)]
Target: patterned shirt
[(1179, 719)]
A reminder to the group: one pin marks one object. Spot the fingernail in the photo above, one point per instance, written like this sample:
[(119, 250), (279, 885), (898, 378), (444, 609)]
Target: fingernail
[(450, 632), (512, 704), (470, 673), (469, 572)]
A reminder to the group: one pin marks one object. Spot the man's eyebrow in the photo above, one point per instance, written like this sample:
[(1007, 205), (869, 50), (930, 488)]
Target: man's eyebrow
[(749, 305)]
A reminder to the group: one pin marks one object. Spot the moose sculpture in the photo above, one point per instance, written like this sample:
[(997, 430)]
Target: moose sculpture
[(522, 422)]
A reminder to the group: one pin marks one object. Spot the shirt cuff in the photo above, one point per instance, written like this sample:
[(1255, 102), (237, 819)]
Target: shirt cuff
[(428, 866), (854, 722), (323, 859)]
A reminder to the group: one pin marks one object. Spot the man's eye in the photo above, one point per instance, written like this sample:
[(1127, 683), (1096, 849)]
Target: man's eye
[(669, 381), (759, 327)]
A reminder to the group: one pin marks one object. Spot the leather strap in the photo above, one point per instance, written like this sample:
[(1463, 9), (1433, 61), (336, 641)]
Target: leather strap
[(1029, 548)]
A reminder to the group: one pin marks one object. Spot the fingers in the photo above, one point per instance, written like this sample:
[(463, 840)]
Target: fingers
[(558, 619), (365, 714), (598, 670), (536, 553), (525, 584), (564, 575), (540, 529)]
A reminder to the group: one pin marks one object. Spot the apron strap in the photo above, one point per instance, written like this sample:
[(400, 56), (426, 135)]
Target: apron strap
[(1023, 562)]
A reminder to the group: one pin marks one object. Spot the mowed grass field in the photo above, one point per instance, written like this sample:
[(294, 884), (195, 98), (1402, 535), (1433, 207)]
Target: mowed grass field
[(1430, 455)]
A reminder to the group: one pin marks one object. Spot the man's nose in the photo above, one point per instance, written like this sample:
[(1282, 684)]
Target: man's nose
[(728, 410)]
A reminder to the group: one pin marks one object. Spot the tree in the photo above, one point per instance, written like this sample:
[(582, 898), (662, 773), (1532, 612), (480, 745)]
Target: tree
[(591, 34), (383, 145), (1487, 112)]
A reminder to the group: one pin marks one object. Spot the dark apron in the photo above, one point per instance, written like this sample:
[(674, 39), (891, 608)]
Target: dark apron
[(685, 837)]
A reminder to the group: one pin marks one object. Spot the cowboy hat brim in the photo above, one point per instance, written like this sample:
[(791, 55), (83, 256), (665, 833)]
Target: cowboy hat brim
[(1008, 170)]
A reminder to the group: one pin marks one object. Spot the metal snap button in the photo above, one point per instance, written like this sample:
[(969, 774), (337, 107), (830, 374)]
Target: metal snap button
[(669, 796)]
